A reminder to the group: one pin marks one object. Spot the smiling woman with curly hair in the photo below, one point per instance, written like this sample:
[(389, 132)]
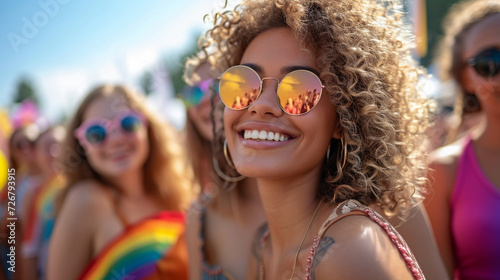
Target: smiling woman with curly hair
[(322, 108)]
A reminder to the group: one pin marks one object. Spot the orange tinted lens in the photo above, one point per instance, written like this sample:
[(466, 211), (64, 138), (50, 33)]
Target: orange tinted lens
[(299, 92), (239, 86)]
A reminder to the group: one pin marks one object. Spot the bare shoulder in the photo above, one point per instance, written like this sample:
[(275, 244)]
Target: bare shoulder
[(358, 248), (87, 198), (84, 210), (443, 165)]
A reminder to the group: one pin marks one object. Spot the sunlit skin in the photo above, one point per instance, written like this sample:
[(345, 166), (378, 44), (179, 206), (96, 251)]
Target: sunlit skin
[(288, 175), (88, 214), (486, 137)]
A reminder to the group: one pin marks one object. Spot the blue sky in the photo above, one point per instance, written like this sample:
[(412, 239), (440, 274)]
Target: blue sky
[(68, 46)]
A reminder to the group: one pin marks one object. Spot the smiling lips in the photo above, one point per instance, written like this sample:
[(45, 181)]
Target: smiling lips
[(118, 153), (264, 135)]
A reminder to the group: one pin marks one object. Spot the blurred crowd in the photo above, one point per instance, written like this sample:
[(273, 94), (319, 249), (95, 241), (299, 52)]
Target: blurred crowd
[(117, 191)]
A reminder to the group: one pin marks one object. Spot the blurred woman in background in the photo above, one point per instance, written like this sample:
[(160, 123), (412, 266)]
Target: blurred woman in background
[(22, 155), (227, 212), (27, 171), (121, 214), (465, 181), (39, 206)]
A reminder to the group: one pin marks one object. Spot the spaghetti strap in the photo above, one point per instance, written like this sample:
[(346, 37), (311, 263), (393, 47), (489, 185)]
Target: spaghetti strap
[(330, 222)]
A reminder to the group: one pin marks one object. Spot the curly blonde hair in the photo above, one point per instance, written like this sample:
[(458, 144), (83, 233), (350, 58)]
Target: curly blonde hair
[(362, 55), (459, 20), (165, 170)]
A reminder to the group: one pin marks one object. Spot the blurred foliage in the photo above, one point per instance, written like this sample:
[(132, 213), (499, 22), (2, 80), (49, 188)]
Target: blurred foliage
[(25, 89), (436, 10), (146, 83), (174, 65), (176, 68)]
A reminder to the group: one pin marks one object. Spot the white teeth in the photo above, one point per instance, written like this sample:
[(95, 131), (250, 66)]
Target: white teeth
[(264, 135), (270, 136), (255, 134)]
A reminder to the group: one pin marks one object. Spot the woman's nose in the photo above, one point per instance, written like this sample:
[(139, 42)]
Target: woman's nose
[(267, 102)]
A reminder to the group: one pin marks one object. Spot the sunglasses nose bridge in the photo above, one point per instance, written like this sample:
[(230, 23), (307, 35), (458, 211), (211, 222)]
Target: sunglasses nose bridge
[(270, 78), (267, 103), (113, 129)]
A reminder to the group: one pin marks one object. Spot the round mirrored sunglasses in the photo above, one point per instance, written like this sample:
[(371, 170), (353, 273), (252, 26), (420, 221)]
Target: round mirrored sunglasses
[(297, 93)]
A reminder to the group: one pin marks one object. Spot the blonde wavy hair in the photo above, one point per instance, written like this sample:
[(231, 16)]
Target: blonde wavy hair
[(362, 54), (459, 20), (165, 172)]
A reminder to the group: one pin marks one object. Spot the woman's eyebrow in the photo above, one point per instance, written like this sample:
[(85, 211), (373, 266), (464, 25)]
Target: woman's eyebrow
[(255, 67), (284, 70), (288, 69)]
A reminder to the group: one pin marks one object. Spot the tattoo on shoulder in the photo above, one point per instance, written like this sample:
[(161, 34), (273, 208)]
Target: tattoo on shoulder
[(325, 244)]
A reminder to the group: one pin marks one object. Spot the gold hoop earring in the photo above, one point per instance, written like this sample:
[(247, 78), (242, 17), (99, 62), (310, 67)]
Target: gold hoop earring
[(328, 153), (227, 156), (343, 152), (224, 176)]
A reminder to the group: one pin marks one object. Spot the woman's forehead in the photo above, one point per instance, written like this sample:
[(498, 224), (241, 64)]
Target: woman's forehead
[(107, 107), (275, 49), (482, 35)]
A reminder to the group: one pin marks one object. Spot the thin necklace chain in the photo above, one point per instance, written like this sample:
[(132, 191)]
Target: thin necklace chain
[(261, 265)]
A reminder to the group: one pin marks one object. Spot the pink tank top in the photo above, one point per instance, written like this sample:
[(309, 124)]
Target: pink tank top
[(475, 220)]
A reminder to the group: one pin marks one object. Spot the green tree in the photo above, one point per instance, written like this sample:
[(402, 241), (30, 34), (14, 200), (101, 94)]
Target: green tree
[(25, 89)]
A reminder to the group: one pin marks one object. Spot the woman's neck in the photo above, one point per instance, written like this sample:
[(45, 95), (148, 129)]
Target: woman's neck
[(248, 191), (130, 183), (289, 206), (488, 133)]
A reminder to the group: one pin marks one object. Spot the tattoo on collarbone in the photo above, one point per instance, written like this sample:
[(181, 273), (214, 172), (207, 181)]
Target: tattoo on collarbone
[(325, 244)]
